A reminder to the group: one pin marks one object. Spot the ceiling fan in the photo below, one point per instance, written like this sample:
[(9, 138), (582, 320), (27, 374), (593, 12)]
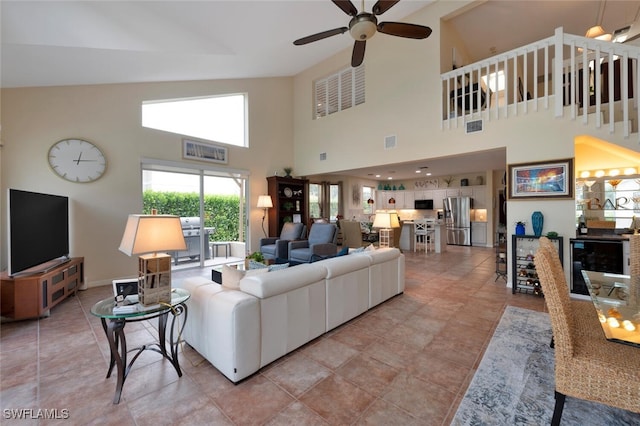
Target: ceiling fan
[(364, 25)]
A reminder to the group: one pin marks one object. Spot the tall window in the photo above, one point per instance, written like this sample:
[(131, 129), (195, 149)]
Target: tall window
[(339, 91), (216, 118), (324, 200), (367, 194)]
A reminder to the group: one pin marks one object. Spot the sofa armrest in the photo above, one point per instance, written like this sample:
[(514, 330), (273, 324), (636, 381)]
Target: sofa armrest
[(298, 244), (267, 241), (324, 249), (282, 249)]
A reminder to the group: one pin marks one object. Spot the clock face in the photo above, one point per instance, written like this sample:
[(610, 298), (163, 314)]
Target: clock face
[(77, 160)]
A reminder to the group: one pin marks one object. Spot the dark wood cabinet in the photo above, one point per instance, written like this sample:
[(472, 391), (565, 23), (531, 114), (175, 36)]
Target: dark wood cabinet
[(31, 296), (290, 199)]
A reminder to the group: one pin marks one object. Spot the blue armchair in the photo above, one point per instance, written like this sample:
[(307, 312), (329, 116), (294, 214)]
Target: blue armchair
[(278, 247), (321, 243)]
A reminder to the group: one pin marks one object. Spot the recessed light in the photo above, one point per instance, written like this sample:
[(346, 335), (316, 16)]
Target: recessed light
[(418, 171)]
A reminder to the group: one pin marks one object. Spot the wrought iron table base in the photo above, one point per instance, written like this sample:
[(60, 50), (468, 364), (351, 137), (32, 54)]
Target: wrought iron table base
[(114, 330)]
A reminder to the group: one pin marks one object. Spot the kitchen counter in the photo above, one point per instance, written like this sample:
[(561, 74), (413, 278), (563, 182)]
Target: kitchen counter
[(407, 238)]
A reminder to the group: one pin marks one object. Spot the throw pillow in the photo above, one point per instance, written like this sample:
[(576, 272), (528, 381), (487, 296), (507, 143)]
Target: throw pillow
[(256, 265), (231, 277), (344, 251), (276, 267), (358, 250), (370, 247)]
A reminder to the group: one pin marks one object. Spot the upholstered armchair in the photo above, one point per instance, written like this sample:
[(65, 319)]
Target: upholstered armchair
[(351, 233), (278, 247), (321, 243)]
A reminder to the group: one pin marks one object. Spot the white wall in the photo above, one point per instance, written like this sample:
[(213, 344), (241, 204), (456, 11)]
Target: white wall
[(403, 98), (109, 115)]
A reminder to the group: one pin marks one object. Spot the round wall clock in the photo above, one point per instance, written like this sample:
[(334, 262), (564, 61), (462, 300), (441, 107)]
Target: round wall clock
[(77, 160)]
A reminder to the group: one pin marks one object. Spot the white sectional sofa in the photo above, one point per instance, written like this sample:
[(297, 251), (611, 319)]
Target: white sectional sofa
[(241, 331)]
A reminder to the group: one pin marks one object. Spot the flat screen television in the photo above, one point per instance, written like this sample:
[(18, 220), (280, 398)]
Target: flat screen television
[(38, 231)]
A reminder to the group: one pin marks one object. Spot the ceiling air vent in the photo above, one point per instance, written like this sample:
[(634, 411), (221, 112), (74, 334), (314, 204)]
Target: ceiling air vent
[(473, 126), (390, 142), (323, 156)]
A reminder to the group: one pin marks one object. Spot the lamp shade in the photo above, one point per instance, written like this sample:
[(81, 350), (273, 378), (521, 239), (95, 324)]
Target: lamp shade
[(382, 220), (152, 233), (395, 220), (264, 202), (386, 219)]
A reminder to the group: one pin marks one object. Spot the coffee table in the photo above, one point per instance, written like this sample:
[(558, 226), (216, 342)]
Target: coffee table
[(113, 325)]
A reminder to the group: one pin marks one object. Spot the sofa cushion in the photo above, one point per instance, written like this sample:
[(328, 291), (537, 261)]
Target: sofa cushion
[(291, 231), (343, 265), (254, 264), (382, 255), (277, 282), (322, 233), (278, 266)]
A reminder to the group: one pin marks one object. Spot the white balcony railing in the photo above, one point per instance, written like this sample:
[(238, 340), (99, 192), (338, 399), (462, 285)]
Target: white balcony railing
[(534, 75)]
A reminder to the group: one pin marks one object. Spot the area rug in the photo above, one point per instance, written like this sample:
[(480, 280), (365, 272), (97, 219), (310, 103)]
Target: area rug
[(514, 382)]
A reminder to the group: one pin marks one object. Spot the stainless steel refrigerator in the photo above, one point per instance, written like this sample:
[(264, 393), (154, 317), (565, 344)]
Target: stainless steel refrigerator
[(457, 217)]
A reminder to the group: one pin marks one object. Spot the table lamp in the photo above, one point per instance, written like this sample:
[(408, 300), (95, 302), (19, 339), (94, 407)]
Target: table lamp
[(264, 202), (147, 235), (386, 221)]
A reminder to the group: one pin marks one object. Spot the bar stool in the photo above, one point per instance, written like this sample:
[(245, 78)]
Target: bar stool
[(420, 234), (431, 234)]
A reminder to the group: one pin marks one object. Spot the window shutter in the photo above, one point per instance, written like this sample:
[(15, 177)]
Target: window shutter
[(339, 91)]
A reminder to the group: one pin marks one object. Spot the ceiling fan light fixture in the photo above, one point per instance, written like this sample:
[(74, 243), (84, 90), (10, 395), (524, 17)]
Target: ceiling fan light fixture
[(363, 26), (598, 33)]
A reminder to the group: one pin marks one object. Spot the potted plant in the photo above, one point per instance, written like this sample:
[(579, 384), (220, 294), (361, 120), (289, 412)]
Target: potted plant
[(256, 256), (287, 171)]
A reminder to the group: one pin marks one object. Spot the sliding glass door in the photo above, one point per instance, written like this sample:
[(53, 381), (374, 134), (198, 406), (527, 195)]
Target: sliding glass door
[(210, 202)]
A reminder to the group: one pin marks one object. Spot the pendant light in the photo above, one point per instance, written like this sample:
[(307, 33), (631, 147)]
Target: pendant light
[(597, 31)]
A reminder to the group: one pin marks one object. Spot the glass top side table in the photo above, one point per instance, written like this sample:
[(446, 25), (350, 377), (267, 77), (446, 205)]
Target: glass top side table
[(113, 325)]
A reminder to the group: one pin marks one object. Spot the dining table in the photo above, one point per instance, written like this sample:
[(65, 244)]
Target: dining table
[(616, 298)]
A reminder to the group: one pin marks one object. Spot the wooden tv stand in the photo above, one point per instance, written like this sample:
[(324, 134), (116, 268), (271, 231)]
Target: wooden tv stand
[(31, 296)]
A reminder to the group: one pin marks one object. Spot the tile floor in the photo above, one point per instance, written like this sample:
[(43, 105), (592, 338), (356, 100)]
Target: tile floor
[(406, 362)]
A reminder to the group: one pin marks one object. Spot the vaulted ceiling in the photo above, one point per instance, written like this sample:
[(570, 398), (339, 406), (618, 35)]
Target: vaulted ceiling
[(97, 42)]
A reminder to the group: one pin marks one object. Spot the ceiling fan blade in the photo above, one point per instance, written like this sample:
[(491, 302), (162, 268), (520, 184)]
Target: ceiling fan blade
[(383, 5), (346, 6), (402, 29), (358, 53), (320, 36)]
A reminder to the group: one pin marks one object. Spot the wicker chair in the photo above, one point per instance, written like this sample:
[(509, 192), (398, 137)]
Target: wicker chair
[(585, 316), (586, 367)]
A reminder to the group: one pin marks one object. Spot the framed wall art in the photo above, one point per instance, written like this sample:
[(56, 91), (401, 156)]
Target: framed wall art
[(544, 179), (196, 150), (426, 184)]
